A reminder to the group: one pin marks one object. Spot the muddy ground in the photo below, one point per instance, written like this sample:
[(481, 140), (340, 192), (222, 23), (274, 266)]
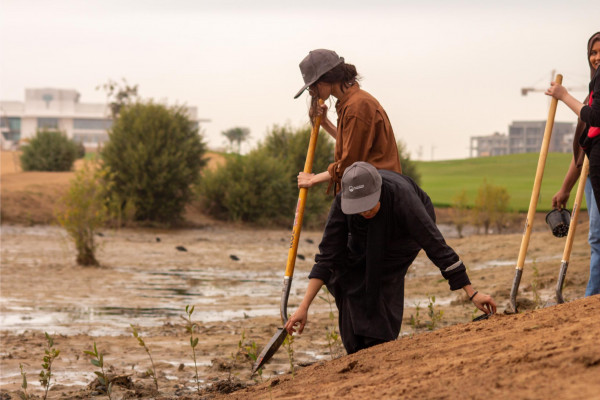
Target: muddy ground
[(233, 275)]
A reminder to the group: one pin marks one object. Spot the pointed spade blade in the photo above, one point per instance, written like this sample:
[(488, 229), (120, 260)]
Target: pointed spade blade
[(270, 349)]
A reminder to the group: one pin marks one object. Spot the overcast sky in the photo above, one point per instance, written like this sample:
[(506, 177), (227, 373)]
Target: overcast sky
[(443, 70)]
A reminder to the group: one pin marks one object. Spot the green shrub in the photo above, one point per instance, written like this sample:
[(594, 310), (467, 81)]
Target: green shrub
[(49, 151), (289, 147), (155, 156), (80, 150), (491, 206), (262, 186), (85, 211), (252, 188)]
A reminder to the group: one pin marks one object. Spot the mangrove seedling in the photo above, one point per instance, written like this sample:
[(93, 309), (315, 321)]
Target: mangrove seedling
[(150, 372), (98, 361), (333, 338), (190, 327), (23, 395), (252, 352), (235, 357), (50, 355), (415, 320), (288, 344), (434, 316)]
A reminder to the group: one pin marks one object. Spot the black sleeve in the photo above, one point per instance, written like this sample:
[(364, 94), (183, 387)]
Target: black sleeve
[(333, 249), (591, 114), (423, 230)]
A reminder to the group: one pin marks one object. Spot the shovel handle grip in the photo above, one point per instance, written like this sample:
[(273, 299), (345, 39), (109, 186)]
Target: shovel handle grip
[(299, 217)]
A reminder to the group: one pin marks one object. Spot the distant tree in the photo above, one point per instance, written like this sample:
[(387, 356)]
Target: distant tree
[(491, 206), (460, 211), (119, 95), (49, 151), (251, 188), (155, 156), (80, 150), (501, 211), (261, 187), (289, 146), (409, 168), (236, 135)]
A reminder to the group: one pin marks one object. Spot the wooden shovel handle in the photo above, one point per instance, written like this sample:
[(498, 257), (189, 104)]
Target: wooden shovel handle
[(538, 179), (299, 217), (576, 207)]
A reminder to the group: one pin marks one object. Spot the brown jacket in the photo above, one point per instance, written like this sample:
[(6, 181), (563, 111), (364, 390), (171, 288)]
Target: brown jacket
[(364, 133)]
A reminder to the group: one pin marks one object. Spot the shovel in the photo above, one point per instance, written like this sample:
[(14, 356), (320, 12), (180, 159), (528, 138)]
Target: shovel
[(564, 264), (271, 348), (539, 174)]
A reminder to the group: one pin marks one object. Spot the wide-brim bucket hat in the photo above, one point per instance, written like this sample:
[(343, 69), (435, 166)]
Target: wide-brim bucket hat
[(315, 65)]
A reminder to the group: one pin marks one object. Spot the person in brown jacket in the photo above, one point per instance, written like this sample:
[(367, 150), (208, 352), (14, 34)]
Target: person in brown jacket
[(363, 131)]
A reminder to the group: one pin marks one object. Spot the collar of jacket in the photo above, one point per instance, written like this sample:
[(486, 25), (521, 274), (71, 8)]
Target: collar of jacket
[(351, 91)]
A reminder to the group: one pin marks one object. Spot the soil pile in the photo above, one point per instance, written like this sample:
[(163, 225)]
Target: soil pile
[(542, 354)]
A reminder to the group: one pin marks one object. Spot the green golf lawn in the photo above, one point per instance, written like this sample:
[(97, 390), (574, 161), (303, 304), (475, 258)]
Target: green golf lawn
[(443, 180)]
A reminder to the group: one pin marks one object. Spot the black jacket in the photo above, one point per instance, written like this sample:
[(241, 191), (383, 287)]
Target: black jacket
[(590, 114), (371, 294)]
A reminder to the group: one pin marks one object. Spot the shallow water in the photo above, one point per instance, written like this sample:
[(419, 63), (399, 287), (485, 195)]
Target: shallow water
[(219, 293)]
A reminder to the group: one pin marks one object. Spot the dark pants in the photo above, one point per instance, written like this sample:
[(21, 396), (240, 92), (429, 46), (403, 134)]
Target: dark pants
[(356, 343), (594, 157)]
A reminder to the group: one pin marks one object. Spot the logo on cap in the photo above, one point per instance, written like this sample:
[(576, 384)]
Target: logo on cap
[(353, 188)]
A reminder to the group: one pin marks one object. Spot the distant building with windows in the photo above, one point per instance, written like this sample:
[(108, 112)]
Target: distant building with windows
[(491, 145), (523, 137), (58, 109)]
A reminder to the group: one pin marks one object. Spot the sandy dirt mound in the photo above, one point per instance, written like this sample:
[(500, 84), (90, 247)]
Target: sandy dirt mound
[(543, 354)]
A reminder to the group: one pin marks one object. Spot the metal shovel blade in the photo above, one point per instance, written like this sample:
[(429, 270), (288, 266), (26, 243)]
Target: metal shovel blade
[(513, 292), (561, 281), (270, 349)]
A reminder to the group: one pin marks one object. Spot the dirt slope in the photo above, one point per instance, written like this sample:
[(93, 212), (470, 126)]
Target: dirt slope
[(542, 354)]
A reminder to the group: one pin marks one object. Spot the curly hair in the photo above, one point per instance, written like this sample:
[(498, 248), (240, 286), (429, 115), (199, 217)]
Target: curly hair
[(343, 73)]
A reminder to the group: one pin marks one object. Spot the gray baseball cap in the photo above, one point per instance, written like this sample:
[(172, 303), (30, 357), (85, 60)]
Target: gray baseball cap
[(316, 64), (361, 188)]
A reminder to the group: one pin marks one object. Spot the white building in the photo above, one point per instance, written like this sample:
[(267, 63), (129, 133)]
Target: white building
[(524, 137), (58, 109)]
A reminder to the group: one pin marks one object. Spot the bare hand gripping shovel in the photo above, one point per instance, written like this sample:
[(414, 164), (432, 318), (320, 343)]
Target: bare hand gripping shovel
[(564, 264), (534, 199), (276, 341)]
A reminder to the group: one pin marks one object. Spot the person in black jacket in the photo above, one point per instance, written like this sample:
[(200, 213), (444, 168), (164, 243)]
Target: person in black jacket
[(562, 196), (588, 113), (376, 226)]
